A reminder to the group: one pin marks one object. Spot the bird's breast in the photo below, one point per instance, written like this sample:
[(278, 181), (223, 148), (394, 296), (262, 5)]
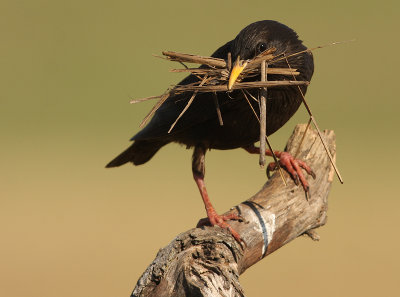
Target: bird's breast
[(240, 120)]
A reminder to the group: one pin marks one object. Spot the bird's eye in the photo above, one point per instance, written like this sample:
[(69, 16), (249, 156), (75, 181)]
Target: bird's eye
[(261, 47)]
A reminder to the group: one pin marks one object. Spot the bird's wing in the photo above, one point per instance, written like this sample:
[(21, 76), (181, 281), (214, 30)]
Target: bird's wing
[(202, 108)]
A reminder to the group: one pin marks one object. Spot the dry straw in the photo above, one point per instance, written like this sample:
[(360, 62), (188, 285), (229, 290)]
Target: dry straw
[(213, 76)]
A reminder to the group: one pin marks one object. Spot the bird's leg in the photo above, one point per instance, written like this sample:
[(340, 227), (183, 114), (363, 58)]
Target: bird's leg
[(198, 168), (286, 160)]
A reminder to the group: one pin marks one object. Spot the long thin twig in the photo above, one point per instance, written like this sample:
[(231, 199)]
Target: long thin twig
[(221, 122), (248, 93), (144, 99), (313, 49), (263, 115), (251, 106), (317, 128), (210, 61), (163, 98), (266, 137), (187, 105), (237, 86), (281, 71), (302, 138)]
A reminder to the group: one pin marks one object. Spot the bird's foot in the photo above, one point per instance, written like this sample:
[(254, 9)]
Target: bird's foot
[(220, 220), (293, 167)]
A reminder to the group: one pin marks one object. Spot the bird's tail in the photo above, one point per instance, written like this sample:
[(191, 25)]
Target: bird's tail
[(138, 153)]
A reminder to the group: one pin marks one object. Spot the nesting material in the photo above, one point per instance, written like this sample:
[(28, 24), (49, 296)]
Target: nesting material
[(214, 76)]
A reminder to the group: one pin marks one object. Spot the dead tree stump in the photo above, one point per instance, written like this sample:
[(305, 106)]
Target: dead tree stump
[(207, 261)]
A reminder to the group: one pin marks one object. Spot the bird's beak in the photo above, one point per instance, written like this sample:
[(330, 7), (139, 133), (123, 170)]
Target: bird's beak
[(237, 68)]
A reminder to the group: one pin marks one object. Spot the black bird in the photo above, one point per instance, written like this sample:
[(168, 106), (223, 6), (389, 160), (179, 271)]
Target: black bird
[(199, 127)]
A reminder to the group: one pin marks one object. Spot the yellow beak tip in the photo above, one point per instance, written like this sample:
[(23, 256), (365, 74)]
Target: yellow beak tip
[(235, 72)]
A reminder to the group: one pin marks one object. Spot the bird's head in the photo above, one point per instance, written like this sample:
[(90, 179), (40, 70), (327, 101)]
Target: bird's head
[(258, 37)]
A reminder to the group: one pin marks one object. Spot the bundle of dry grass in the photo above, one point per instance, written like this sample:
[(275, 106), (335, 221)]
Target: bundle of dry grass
[(214, 74)]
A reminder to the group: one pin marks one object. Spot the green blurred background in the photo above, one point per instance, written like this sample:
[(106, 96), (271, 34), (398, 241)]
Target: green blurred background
[(69, 227)]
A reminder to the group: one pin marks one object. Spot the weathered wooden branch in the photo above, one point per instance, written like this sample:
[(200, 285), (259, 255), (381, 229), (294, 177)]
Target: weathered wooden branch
[(207, 261)]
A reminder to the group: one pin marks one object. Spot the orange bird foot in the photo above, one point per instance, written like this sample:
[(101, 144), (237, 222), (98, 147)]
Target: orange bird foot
[(215, 219), (293, 167)]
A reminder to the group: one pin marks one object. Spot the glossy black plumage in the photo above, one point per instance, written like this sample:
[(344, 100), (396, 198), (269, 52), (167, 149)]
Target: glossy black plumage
[(199, 126)]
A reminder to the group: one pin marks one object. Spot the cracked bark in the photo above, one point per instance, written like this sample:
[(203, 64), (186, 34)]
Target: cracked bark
[(207, 261)]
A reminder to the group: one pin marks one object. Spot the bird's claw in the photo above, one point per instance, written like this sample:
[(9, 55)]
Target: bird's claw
[(270, 168), (220, 220), (293, 167)]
